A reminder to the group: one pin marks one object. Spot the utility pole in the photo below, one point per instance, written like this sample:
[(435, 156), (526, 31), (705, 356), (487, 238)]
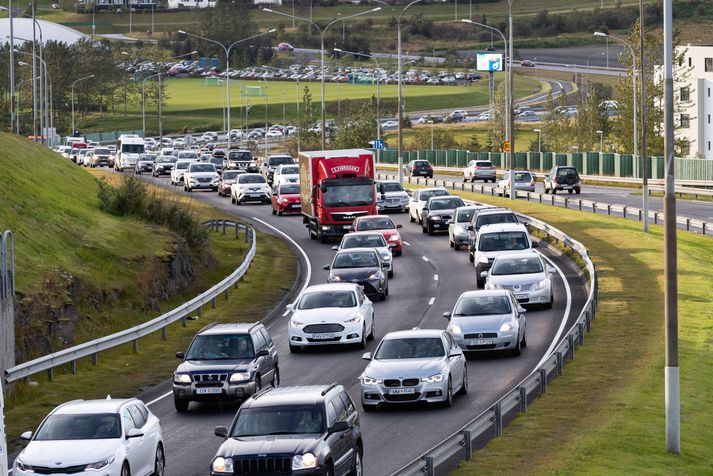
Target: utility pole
[(644, 159), (509, 105), (672, 378)]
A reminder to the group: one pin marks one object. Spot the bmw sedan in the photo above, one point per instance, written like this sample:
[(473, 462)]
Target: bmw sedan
[(328, 314), (525, 274), (363, 267), (488, 320), (369, 239), (418, 365)]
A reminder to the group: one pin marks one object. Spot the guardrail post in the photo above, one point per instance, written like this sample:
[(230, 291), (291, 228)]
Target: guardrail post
[(472, 188), (540, 197), (588, 320), (468, 444), (543, 381), (688, 224), (409, 180), (560, 363), (566, 202), (462, 187), (236, 230), (498, 419), (528, 196), (73, 366), (624, 210), (429, 469), (570, 346), (418, 180), (246, 234), (594, 207), (580, 205), (523, 399), (656, 218), (135, 344), (608, 209), (163, 333), (212, 303), (703, 228), (200, 311), (553, 200), (226, 293), (50, 374), (492, 191), (184, 320), (224, 227), (95, 359), (580, 326)]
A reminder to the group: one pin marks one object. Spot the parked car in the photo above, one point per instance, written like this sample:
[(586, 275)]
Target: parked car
[(330, 314), (201, 175), (419, 199), (285, 47), (227, 179), (163, 165), (418, 365), (295, 430), (391, 196), (111, 436), (250, 187), (490, 320), (458, 225), (494, 241), (286, 199), (384, 225), (561, 178), (225, 362), (525, 274), (362, 266), (487, 215), (479, 170), (527, 64), (437, 212), (369, 239), (524, 181), (419, 168)]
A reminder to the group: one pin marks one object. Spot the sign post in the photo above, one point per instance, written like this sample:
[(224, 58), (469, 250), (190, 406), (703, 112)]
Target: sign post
[(506, 146), (3, 440)]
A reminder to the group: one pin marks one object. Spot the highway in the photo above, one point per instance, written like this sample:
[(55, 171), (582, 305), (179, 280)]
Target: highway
[(428, 279)]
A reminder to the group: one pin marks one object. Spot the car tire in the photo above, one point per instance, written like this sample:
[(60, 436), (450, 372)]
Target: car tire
[(329, 470), (523, 342), (546, 190), (517, 351), (464, 385), (423, 229), (578, 191), (471, 257), (429, 229), (372, 331), (159, 464), (493, 180), (554, 190), (181, 404), (448, 402), (411, 218), (456, 246), (391, 272), (571, 191), (275, 378), (549, 304), (450, 243), (362, 342), (480, 283), (125, 470)]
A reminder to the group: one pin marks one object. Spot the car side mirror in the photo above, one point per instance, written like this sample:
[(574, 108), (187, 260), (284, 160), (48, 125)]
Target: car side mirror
[(338, 427), (180, 355), (134, 433), (366, 356), (470, 228), (399, 226), (455, 353), (335, 248), (447, 315), (484, 274), (262, 353), (521, 310), (550, 270), (535, 244), (221, 431), (383, 196), (290, 307), (26, 435), (325, 267)]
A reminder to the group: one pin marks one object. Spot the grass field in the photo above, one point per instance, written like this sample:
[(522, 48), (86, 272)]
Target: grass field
[(606, 414)]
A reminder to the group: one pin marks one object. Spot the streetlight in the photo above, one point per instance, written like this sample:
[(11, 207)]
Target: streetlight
[(13, 108), (75, 82), (322, 32), (19, 90), (539, 139), (42, 100), (47, 102), (509, 132), (378, 100), (143, 101), (226, 49), (431, 122), (644, 166), (601, 141)]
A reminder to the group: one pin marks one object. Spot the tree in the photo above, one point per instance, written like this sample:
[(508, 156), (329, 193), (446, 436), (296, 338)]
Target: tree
[(308, 140), (496, 124), (356, 126), (228, 21), (557, 128), (591, 117)]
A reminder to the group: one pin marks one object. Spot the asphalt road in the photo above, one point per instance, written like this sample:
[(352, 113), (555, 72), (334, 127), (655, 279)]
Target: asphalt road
[(428, 279), (580, 55)]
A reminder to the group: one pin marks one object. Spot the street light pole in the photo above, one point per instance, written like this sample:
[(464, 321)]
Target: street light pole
[(601, 141), (75, 82), (43, 67), (539, 139), (431, 122)]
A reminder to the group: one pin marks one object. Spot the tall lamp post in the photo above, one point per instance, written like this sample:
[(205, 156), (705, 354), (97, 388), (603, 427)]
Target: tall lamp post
[(644, 165), (322, 32), (226, 49), (19, 97), (539, 139), (46, 101), (601, 141), (75, 82)]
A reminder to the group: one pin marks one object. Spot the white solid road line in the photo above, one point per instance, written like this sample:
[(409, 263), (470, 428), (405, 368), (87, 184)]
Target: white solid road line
[(167, 394), (425, 259), (407, 243), (431, 301), (435, 277), (554, 342)]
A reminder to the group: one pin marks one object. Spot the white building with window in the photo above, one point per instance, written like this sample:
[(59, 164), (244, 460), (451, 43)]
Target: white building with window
[(696, 115)]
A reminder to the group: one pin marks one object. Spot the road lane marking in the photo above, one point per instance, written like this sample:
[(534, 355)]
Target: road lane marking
[(407, 243), (435, 277), (425, 259), (554, 342), (431, 301), (159, 398)]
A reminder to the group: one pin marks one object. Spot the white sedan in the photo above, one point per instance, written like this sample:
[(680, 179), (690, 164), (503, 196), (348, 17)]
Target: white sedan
[(525, 274), (329, 314), (108, 437)]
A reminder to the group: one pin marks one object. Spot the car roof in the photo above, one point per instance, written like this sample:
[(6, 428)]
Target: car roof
[(331, 287), (484, 293), (298, 395), (369, 217), (522, 254), (444, 197), (364, 232), (501, 227), (414, 333), (490, 209), (77, 407), (357, 250), (231, 328), (430, 189), (472, 207)]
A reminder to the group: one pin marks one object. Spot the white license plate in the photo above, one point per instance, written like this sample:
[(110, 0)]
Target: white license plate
[(254, 195), (209, 391), (481, 342), (323, 336), (566, 187), (402, 391), (522, 296)]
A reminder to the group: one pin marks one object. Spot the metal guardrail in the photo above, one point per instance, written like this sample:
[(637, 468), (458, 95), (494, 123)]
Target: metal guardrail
[(490, 423), (132, 335)]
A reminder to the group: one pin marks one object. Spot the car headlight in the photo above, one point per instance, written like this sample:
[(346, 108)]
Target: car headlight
[(297, 324), (541, 284), (387, 256), (99, 465), (492, 286), (435, 218), (223, 465), (305, 461), (282, 201), (506, 327), (454, 329), (240, 376), (353, 320), (370, 381), (395, 237), (432, 378), (252, 164), (377, 275), (22, 466), (181, 378)]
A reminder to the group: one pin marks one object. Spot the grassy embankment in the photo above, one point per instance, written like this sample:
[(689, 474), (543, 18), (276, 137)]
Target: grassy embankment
[(606, 414), (52, 207)]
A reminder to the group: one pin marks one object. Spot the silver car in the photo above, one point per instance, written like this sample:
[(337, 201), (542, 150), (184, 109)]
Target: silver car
[(488, 320), (458, 225), (418, 365), (525, 274), (524, 181), (394, 197), (369, 239)]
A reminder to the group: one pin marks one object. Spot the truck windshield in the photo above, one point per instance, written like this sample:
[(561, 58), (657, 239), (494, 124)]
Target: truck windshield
[(349, 194)]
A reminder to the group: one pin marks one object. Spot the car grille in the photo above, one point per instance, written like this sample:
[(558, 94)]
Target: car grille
[(333, 339), (521, 287), (256, 466), (393, 200), (210, 378), (204, 179), (323, 328), (402, 398), (65, 470), (409, 382), (481, 335)]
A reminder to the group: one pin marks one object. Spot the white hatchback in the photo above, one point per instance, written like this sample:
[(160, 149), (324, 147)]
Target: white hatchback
[(108, 437)]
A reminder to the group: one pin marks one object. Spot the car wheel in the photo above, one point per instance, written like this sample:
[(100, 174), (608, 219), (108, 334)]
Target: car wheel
[(578, 191), (546, 190), (517, 350), (362, 342), (571, 191), (465, 179), (160, 461), (274, 212), (358, 469), (423, 228), (329, 471), (398, 252), (232, 200), (456, 246), (276, 377), (391, 272), (180, 404), (549, 304), (450, 243), (480, 283), (464, 385), (449, 394), (523, 343), (295, 349), (493, 180), (372, 332), (369, 408), (554, 190), (471, 258), (125, 471), (411, 218), (429, 229)]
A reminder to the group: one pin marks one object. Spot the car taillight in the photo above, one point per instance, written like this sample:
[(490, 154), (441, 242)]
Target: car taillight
[(554, 180), (477, 168), (414, 168), (532, 182)]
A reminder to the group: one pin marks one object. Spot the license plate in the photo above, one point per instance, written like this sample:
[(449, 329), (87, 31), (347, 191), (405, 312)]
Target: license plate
[(522, 296), (323, 336), (295, 205), (254, 195), (209, 391), (402, 391), (481, 342), (566, 187)]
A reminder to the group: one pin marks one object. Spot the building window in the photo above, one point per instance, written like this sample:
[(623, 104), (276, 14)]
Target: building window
[(685, 121), (709, 145), (685, 94), (709, 65)]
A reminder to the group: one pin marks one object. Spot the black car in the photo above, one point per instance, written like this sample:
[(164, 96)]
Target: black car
[(419, 168), (163, 165), (562, 178), (438, 211), (273, 162), (310, 430), (487, 216), (225, 362), (240, 159), (145, 163), (362, 266)]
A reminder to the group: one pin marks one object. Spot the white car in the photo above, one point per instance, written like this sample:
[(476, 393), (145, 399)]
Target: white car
[(494, 241), (250, 187), (525, 274), (187, 155), (394, 197), (419, 199), (179, 170), (274, 134), (329, 314), (285, 174), (201, 175), (116, 437), (390, 126), (179, 143)]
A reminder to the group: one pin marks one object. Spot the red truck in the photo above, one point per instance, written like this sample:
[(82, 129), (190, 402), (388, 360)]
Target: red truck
[(336, 186)]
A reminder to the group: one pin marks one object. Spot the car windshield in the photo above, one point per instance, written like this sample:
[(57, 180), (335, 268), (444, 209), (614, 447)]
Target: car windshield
[(132, 148), (251, 179), (102, 152), (187, 156), (363, 241), (90, 426), (465, 215), (376, 223), (148, 158), (279, 420), (495, 218), (275, 161), (182, 165), (349, 195), (503, 241), (290, 190), (166, 160), (327, 299), (482, 306), (410, 348), (507, 266), (202, 168), (421, 163), (289, 170), (424, 196), (230, 174), (221, 347), (392, 187), (355, 260), (449, 204), (239, 155)]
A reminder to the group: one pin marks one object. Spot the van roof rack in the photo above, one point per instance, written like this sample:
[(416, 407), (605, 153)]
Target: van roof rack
[(329, 388)]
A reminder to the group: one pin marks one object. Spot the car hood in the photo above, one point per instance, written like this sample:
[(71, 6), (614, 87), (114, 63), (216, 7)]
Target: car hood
[(512, 279), (461, 228), (354, 274), (403, 368), (293, 197), (324, 314), (396, 195), (213, 366), (447, 211), (251, 185), (269, 445), (491, 323), (288, 177), (68, 452)]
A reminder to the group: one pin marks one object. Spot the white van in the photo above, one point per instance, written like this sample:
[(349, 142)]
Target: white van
[(128, 151)]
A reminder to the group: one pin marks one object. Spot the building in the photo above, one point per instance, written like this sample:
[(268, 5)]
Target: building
[(696, 101), (191, 3)]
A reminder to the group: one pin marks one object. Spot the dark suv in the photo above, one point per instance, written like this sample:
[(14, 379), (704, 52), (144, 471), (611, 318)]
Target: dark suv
[(240, 159), (437, 212), (487, 216), (417, 168), (293, 430), (562, 178), (273, 162), (225, 362)]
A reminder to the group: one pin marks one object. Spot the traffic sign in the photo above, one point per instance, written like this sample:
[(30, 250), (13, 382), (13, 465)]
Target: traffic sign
[(379, 144), (506, 146)]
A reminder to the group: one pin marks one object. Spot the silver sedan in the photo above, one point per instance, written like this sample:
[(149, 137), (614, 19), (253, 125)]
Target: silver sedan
[(524, 182), (418, 365), (525, 274)]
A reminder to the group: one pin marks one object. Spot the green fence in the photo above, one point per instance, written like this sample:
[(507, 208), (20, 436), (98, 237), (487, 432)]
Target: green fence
[(111, 136)]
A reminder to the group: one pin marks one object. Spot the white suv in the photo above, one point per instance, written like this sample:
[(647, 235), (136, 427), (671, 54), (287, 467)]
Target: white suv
[(495, 241), (250, 187), (179, 170), (419, 199), (201, 175)]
